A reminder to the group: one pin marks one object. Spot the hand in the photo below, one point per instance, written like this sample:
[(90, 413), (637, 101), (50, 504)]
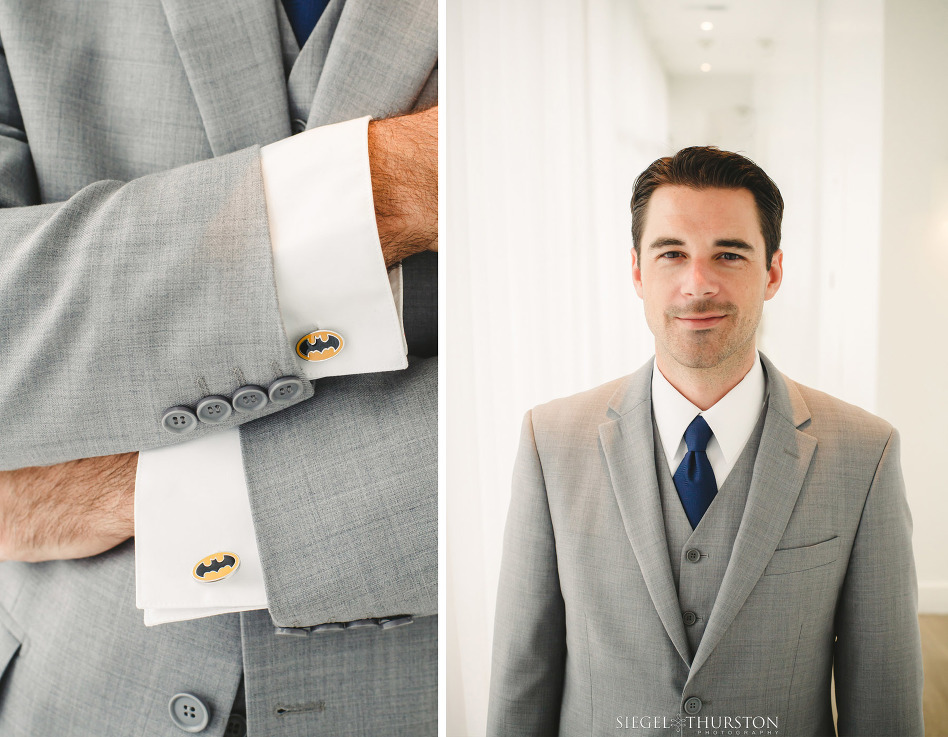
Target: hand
[(403, 159), (70, 510)]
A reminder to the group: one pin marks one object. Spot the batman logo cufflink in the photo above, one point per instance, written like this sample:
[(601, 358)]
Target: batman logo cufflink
[(320, 345), (216, 567)]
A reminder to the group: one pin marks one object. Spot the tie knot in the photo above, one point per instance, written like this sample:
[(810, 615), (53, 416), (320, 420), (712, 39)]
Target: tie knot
[(697, 435)]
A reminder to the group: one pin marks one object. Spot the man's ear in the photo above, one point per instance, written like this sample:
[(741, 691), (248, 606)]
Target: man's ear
[(774, 275), (636, 273)]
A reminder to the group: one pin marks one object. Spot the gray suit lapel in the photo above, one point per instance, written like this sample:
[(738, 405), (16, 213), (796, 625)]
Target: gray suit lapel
[(369, 67), (628, 446), (781, 466), (247, 105)]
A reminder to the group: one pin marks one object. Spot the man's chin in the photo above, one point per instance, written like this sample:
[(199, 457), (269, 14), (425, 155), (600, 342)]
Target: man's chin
[(706, 357)]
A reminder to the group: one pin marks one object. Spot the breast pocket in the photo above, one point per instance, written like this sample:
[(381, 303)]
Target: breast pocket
[(789, 560)]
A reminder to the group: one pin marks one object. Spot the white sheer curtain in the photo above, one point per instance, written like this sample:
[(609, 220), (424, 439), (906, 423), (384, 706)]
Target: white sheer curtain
[(552, 109)]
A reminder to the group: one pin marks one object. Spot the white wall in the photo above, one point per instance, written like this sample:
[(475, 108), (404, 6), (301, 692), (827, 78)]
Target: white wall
[(913, 313), (716, 110), (553, 108)]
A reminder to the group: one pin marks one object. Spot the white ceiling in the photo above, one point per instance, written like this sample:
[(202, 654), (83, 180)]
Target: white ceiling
[(741, 40)]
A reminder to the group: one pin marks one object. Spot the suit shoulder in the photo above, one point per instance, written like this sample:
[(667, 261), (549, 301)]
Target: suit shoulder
[(829, 414), (578, 413)]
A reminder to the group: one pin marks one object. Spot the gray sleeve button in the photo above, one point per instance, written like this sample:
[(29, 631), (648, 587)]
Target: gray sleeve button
[(189, 713), (285, 389), (179, 420), (213, 409), (291, 631), (249, 398), (388, 623), (329, 627)]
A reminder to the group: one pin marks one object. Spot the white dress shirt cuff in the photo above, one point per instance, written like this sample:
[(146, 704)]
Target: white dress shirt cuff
[(327, 259), (191, 501)]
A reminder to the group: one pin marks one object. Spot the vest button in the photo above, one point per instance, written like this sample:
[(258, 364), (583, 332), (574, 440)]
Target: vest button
[(693, 555), (693, 705), (689, 618), (298, 125)]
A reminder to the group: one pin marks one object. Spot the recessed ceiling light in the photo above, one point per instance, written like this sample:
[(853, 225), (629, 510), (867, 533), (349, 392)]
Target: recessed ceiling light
[(706, 67), (707, 26)]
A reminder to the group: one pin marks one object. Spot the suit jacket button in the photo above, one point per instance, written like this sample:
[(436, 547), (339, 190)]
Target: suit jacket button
[(298, 125), (693, 705), (236, 726), (189, 713), (285, 390), (179, 420), (693, 555), (213, 409), (249, 399), (690, 618)]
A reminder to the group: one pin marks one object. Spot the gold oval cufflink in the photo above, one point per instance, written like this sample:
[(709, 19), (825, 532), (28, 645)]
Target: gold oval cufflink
[(320, 345), (216, 567)]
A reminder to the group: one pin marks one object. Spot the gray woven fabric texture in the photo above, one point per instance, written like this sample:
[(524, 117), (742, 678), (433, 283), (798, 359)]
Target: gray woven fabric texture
[(135, 275)]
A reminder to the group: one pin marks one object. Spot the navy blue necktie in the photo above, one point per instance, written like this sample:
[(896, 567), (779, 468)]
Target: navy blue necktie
[(694, 478), (303, 15)]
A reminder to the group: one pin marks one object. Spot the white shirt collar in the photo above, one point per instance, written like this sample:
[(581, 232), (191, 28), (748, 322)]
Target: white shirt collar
[(732, 419)]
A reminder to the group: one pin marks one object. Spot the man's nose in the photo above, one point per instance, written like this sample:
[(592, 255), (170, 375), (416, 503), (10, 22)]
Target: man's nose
[(699, 280)]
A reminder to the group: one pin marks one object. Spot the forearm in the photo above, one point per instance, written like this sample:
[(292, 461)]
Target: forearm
[(403, 156), (69, 510)]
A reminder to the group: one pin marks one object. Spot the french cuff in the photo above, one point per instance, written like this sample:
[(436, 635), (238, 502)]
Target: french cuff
[(341, 308), (192, 506)]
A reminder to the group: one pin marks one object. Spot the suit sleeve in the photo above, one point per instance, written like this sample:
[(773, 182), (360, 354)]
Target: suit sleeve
[(127, 299), (878, 661), (529, 648)]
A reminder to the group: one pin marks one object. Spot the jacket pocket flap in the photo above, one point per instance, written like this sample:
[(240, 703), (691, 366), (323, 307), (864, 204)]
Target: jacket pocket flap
[(789, 560)]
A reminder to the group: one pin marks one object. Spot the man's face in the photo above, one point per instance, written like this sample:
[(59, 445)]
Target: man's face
[(703, 274)]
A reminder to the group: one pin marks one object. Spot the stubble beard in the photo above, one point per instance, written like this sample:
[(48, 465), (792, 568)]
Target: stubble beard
[(713, 348)]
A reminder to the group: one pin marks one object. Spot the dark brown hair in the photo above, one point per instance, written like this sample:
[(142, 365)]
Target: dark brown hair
[(703, 167)]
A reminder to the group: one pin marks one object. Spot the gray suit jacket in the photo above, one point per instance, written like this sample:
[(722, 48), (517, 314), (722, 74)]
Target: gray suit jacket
[(135, 274), (589, 634)]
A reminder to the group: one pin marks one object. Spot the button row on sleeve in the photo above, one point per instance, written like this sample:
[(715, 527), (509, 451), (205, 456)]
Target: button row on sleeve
[(216, 408), (385, 623)]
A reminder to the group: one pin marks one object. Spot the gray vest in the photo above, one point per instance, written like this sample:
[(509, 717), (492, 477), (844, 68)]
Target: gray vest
[(419, 272), (698, 582)]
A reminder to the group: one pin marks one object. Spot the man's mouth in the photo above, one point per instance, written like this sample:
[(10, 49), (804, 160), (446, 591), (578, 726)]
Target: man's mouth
[(701, 321)]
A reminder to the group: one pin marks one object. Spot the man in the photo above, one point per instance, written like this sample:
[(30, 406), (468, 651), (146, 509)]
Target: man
[(702, 545), (152, 291)]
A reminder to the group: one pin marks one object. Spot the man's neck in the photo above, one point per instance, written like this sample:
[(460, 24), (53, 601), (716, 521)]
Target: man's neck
[(704, 387)]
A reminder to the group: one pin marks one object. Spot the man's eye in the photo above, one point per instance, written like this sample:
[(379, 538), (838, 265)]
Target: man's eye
[(729, 256), (670, 254)]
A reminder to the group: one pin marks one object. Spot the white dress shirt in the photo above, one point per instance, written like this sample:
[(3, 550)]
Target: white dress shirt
[(732, 420), (191, 499)]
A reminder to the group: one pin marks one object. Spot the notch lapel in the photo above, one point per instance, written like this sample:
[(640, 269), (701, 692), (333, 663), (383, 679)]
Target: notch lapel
[(247, 104), (783, 460), (627, 443)]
